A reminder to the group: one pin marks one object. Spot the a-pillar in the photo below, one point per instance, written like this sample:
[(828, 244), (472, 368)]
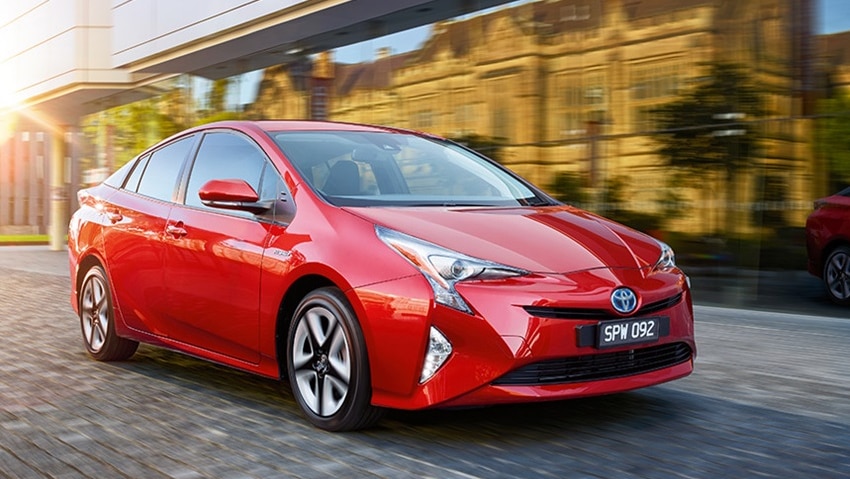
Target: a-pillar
[(58, 229)]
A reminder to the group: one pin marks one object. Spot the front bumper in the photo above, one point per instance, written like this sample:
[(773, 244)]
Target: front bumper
[(504, 353)]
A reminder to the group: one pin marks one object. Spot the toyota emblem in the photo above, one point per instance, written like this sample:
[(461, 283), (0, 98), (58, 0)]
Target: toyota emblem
[(624, 300)]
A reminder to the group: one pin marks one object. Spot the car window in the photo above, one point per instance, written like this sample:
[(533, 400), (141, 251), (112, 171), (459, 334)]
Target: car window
[(224, 156), (160, 176), (394, 169), (116, 179), (133, 181), (273, 188)]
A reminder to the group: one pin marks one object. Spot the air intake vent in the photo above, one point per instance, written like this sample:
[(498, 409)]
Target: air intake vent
[(598, 366)]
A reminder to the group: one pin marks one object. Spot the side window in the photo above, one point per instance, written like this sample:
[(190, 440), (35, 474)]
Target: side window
[(160, 176), (224, 156), (272, 188), (136, 175), (116, 179)]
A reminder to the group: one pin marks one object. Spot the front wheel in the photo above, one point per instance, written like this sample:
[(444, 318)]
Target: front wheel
[(836, 275), (327, 363), (97, 320)]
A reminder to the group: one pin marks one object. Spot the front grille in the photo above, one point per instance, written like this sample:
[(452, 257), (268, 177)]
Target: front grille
[(598, 314), (598, 366), (660, 305)]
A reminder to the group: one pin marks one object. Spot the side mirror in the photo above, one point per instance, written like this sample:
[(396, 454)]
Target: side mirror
[(232, 194)]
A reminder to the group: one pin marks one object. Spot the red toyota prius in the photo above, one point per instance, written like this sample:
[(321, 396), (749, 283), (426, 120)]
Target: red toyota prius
[(373, 268)]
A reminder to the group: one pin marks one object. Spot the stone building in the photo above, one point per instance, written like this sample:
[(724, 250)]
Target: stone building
[(567, 86)]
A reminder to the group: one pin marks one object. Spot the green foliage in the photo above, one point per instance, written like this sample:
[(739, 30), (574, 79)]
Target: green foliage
[(567, 187), (708, 130), (832, 138), (611, 201), (219, 116), (23, 239), (773, 192), (133, 127), (217, 96), (698, 133), (615, 208), (487, 146)]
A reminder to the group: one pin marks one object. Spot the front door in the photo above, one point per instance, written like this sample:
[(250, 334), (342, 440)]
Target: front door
[(214, 256)]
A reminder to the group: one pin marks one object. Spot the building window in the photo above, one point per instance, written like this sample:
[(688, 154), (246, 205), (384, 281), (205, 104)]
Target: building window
[(501, 123), (643, 119), (575, 12), (655, 81), (423, 119), (594, 90), (319, 103), (464, 116)]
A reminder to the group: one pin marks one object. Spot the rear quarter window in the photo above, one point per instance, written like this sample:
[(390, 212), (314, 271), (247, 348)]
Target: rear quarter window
[(159, 178)]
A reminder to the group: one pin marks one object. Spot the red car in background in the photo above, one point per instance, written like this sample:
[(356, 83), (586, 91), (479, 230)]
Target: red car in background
[(373, 268), (828, 244)]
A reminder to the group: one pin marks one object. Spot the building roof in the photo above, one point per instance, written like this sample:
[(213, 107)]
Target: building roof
[(545, 18), (373, 75), (835, 48)]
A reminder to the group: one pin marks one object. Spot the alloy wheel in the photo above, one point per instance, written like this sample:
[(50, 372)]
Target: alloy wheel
[(94, 313), (837, 275), (321, 359)]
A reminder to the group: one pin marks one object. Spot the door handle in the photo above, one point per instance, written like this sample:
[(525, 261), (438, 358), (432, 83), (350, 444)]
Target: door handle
[(176, 230), (113, 215)]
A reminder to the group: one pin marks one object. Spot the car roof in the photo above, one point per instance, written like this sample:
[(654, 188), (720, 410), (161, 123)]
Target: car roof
[(306, 125)]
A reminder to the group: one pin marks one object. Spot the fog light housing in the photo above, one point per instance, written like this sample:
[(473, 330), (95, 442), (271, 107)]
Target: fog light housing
[(439, 349)]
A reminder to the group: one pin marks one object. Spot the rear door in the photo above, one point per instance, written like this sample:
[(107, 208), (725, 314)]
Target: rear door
[(136, 221)]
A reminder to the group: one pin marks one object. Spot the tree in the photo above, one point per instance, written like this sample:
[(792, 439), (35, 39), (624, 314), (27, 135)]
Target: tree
[(708, 131), (487, 146), (131, 128), (832, 139), (567, 187), (217, 95)]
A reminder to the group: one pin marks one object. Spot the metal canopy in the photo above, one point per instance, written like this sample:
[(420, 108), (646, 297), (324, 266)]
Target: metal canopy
[(251, 47)]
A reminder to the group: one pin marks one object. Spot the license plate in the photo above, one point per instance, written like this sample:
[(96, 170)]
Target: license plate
[(629, 331)]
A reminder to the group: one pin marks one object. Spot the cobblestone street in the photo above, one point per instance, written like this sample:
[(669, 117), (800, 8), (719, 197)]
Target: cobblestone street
[(770, 398)]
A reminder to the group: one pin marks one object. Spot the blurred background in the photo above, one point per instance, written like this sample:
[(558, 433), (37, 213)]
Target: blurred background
[(710, 124)]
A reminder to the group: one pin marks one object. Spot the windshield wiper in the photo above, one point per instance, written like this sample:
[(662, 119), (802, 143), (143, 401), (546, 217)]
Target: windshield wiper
[(449, 204), (535, 201)]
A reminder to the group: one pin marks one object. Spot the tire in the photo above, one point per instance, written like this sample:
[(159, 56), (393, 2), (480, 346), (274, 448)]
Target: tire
[(836, 275), (327, 364), (97, 320)]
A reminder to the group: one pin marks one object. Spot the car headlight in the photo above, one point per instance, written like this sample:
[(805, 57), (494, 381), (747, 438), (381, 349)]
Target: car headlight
[(443, 268), (667, 259)]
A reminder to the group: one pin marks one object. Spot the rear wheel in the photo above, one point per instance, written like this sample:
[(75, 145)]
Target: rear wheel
[(327, 364), (836, 275), (97, 320)]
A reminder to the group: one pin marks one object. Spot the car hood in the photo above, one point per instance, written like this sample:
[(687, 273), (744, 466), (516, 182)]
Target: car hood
[(557, 239)]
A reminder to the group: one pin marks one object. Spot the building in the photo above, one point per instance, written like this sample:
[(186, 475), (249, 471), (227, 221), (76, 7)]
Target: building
[(568, 86)]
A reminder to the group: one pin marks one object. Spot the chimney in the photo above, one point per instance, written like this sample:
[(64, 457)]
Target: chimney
[(383, 52)]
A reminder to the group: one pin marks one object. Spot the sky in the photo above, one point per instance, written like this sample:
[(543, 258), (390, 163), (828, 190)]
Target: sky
[(832, 16)]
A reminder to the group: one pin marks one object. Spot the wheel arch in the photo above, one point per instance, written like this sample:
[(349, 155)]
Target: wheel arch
[(831, 246), (87, 263)]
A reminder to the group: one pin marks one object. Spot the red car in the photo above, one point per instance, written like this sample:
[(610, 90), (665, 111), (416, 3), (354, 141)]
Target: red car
[(374, 268), (828, 244)]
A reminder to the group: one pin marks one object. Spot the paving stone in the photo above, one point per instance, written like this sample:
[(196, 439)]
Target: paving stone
[(770, 398)]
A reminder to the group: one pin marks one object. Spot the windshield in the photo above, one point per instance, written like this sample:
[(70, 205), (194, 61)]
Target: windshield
[(396, 169)]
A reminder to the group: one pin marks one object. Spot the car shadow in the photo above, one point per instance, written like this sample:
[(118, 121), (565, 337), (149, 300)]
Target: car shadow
[(188, 375), (633, 410), (193, 374)]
